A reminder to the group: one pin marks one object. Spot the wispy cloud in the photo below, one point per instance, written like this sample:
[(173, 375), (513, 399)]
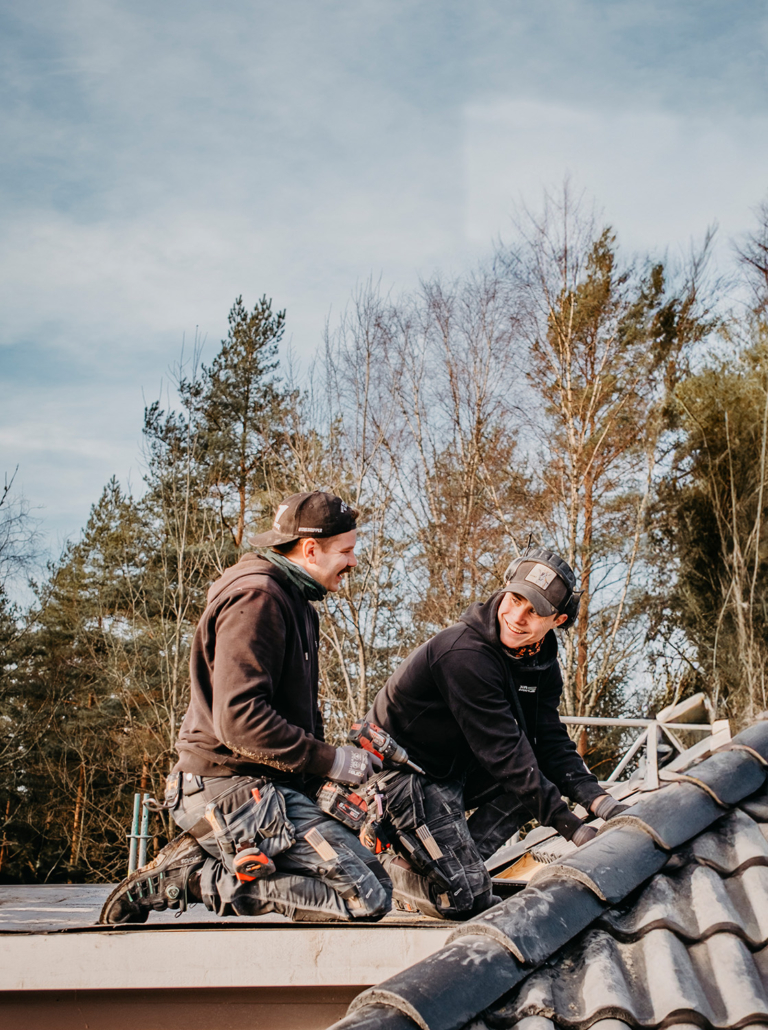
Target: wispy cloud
[(159, 159)]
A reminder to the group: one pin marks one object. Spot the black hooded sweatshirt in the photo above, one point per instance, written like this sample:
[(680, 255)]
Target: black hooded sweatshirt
[(254, 680), (462, 699)]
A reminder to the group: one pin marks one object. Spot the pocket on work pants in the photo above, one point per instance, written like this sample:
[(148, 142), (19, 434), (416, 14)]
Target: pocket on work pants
[(406, 811), (251, 814), (431, 829), (404, 799)]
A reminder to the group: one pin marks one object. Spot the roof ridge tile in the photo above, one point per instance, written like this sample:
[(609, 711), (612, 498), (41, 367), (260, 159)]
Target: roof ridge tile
[(538, 921), (612, 865), (671, 816), (754, 738), (376, 1017), (437, 992), (728, 776)]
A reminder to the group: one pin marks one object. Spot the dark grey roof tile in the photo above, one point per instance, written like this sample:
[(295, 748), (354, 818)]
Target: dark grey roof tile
[(695, 903), (672, 815), (756, 806), (537, 921), (729, 776), (754, 737), (731, 843), (611, 865), (449, 988), (375, 1017), (645, 983)]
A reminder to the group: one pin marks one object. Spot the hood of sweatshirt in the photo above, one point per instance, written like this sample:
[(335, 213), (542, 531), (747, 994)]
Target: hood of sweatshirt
[(251, 564), (483, 618)]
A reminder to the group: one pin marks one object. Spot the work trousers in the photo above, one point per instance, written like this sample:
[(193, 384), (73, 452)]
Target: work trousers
[(321, 870), (444, 874)]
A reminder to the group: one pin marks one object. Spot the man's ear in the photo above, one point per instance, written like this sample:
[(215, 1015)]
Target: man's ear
[(309, 549), (561, 619)]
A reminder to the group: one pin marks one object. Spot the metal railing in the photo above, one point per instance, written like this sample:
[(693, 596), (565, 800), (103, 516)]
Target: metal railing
[(653, 732), (137, 852)]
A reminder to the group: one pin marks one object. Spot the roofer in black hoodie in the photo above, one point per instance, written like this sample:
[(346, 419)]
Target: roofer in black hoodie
[(476, 707), (252, 742)]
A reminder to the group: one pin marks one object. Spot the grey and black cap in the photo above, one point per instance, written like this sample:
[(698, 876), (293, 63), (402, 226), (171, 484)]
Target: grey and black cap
[(546, 580), (314, 514)]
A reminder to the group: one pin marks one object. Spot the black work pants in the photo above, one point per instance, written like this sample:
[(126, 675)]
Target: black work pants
[(445, 875), (321, 871)]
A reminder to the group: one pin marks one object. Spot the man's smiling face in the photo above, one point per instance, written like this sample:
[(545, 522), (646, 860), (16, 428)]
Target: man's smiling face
[(329, 560), (520, 623)]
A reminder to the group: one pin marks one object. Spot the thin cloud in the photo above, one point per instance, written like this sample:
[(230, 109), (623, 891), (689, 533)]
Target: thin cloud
[(159, 160)]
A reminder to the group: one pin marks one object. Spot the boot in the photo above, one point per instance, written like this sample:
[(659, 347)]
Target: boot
[(169, 881)]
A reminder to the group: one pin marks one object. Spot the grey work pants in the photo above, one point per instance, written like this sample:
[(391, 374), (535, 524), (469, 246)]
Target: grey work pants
[(447, 877), (329, 876)]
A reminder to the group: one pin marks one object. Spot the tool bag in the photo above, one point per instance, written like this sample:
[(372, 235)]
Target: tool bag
[(248, 815)]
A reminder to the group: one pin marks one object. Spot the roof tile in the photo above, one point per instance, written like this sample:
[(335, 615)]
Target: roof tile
[(732, 842), (645, 982), (754, 737), (449, 988), (376, 1017), (537, 921), (611, 865), (672, 815), (728, 776), (695, 903), (756, 806)]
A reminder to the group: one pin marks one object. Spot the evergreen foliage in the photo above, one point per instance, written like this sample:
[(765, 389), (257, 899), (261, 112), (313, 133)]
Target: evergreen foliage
[(558, 393)]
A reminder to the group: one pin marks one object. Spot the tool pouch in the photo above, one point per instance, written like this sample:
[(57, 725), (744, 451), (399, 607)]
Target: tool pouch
[(251, 814)]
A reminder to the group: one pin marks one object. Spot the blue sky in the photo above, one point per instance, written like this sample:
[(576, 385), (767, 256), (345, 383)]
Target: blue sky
[(159, 159)]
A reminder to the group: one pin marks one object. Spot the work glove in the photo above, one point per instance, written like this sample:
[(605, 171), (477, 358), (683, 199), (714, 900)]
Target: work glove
[(607, 807), (583, 835), (353, 765)]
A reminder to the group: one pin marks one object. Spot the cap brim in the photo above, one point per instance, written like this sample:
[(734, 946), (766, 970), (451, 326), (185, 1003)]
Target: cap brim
[(527, 590), (272, 537)]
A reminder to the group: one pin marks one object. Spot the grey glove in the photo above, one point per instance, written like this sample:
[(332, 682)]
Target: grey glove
[(353, 765), (583, 835), (607, 807)]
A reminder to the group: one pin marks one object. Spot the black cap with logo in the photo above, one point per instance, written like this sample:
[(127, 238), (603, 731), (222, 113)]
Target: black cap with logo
[(546, 580), (314, 514)]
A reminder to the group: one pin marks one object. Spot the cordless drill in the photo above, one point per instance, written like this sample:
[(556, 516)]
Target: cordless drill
[(361, 808), (371, 737)]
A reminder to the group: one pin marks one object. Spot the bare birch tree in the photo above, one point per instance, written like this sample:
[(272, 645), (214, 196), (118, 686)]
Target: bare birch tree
[(605, 343), (452, 364)]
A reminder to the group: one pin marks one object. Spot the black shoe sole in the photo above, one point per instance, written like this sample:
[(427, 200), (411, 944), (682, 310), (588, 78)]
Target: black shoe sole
[(132, 890)]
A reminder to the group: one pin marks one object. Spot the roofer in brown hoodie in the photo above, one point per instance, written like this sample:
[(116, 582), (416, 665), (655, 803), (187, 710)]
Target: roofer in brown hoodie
[(476, 706), (251, 740)]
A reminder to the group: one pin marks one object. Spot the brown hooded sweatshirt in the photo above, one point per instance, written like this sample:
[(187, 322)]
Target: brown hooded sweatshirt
[(254, 680)]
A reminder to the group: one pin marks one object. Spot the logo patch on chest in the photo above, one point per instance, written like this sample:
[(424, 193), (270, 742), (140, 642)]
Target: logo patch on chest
[(526, 688)]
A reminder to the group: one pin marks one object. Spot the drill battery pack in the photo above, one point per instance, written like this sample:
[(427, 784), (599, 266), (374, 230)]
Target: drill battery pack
[(341, 802)]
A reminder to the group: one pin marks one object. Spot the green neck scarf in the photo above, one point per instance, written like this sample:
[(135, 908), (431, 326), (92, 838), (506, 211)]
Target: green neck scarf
[(310, 589)]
